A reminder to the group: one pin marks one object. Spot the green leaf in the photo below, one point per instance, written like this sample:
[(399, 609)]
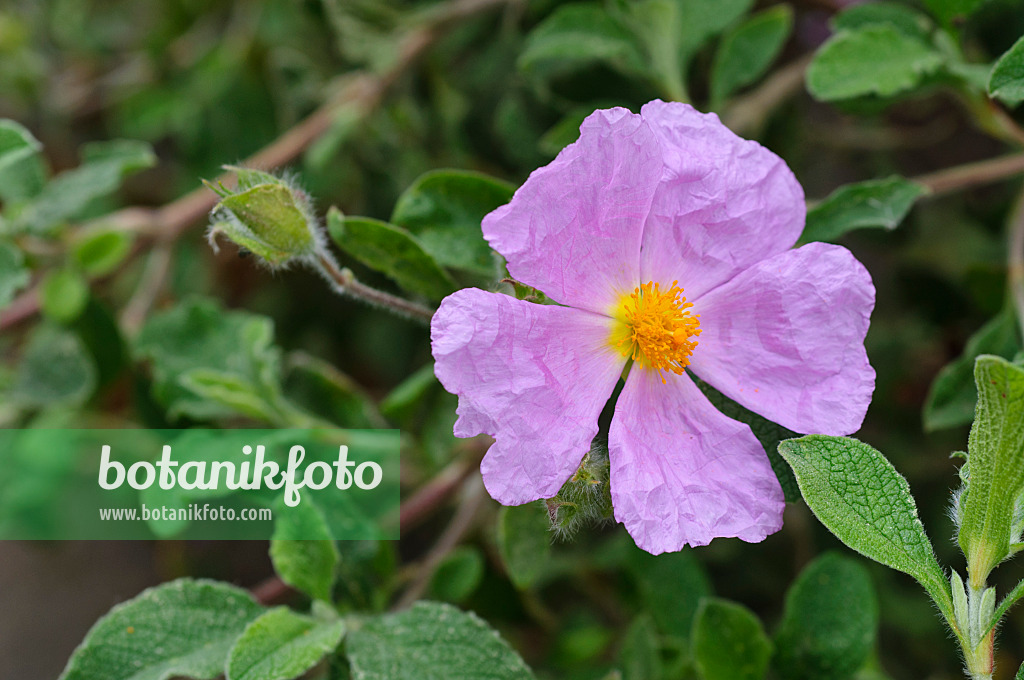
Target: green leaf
[(639, 658), (952, 397), (100, 252), (875, 60), (747, 52), (903, 18), (22, 174), (948, 10), (995, 453), (444, 208), (729, 642), (858, 495), (524, 542), (671, 586), (68, 195), (392, 251), (64, 294), (1007, 79), (182, 628), (458, 575), (54, 370), (281, 645), (579, 35), (875, 204), (672, 31), (309, 565), (767, 432), (211, 363), (431, 640), (320, 388), (829, 623), (14, 274)]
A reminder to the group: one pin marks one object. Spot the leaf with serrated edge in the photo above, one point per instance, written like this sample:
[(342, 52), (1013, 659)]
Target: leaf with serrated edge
[(281, 645), (860, 497), (182, 628)]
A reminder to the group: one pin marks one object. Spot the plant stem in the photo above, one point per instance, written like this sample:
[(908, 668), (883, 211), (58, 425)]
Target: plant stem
[(345, 283), (1015, 260), (971, 175)]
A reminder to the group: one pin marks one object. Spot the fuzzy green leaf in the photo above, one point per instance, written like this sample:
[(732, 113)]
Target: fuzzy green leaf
[(68, 195), (443, 209), (875, 204), (301, 561), (458, 575), (100, 252), (952, 397), (995, 452), (524, 542), (281, 645), (748, 51), (14, 274), (55, 369), (1007, 79), (267, 219), (183, 628), (22, 174), (903, 18), (860, 497), (212, 363), (578, 35), (830, 621), (639, 658), (431, 640), (875, 60), (392, 251), (64, 294), (729, 642)]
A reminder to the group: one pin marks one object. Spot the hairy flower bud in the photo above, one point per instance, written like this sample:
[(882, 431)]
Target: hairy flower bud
[(266, 215)]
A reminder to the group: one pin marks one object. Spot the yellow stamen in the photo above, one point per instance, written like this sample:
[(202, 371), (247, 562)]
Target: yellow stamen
[(655, 328)]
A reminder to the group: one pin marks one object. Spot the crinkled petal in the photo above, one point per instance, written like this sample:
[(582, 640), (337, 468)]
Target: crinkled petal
[(535, 377), (683, 473), (573, 229), (723, 204), (786, 339)]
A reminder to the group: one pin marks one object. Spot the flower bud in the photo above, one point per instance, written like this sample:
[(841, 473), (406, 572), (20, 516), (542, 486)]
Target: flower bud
[(267, 216)]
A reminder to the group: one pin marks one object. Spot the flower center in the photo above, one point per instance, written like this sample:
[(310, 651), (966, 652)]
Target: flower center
[(655, 328)]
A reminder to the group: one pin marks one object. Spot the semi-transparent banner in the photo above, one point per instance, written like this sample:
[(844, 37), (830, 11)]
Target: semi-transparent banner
[(199, 484)]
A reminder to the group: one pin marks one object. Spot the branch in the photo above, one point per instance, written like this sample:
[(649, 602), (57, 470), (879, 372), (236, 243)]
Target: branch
[(345, 283), (972, 174)]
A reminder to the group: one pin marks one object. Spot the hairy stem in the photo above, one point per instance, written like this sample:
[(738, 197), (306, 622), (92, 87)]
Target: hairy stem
[(345, 283), (1015, 260)]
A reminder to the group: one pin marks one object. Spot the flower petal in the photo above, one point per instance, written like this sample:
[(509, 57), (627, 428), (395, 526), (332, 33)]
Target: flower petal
[(683, 473), (573, 229), (786, 339), (723, 204), (535, 377)]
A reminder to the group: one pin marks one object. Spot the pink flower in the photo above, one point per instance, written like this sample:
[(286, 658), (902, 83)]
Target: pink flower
[(640, 209)]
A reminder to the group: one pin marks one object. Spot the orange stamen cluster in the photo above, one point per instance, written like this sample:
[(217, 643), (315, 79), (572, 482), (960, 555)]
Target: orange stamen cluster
[(661, 332)]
